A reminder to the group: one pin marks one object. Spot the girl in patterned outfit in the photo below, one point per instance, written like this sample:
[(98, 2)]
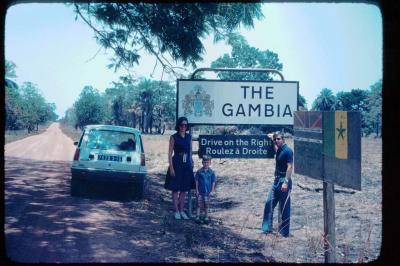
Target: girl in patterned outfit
[(180, 167), (205, 185)]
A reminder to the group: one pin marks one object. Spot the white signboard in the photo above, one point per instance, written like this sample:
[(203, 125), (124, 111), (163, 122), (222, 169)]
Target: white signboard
[(237, 102)]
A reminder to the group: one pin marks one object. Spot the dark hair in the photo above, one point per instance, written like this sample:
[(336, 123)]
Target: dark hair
[(180, 120), (206, 158)]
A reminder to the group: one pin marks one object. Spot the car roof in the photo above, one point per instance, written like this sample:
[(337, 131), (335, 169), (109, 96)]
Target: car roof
[(114, 128)]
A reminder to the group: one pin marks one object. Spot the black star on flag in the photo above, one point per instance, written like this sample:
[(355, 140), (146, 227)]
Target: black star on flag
[(341, 130)]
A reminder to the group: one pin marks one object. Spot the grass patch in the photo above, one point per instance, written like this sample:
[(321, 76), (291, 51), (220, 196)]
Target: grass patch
[(14, 135), (70, 131)]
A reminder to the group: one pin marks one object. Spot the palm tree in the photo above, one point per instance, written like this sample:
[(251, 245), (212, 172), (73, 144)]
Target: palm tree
[(10, 74), (325, 101), (10, 70)]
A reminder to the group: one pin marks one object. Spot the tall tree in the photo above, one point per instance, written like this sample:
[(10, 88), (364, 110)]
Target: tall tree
[(245, 56), (25, 107), (13, 107), (70, 117), (90, 107), (354, 100), (10, 70), (32, 106), (48, 113), (10, 74), (302, 102), (150, 94), (163, 28), (325, 101), (115, 98), (373, 118)]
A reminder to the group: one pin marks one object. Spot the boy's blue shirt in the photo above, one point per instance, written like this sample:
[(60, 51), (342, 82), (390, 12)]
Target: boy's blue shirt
[(205, 179)]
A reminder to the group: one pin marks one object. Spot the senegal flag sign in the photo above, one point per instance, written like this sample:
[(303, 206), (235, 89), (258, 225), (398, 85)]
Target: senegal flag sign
[(336, 134), (342, 148), (329, 150)]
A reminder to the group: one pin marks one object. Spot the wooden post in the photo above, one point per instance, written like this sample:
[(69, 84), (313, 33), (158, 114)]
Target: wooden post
[(329, 223), (190, 190)]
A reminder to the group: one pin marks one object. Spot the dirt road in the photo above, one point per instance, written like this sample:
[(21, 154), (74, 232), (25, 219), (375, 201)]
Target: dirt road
[(52, 145), (43, 223)]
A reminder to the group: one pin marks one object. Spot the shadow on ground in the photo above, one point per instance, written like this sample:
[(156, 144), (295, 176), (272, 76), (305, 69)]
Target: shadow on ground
[(43, 223)]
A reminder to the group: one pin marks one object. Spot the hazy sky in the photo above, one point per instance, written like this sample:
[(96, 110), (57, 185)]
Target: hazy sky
[(336, 46)]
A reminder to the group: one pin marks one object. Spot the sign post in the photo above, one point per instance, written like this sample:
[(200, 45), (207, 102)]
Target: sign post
[(229, 102), (329, 223), (328, 148)]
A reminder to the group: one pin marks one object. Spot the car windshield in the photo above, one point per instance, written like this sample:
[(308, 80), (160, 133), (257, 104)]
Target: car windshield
[(111, 140)]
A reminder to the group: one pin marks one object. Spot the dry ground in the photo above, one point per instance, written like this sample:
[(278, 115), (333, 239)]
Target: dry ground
[(236, 211), (45, 224)]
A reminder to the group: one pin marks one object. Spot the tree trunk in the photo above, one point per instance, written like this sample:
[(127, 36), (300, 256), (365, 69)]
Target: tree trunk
[(145, 122), (134, 119)]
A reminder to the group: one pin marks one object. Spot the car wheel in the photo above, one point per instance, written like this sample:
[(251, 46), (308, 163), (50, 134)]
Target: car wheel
[(76, 187), (140, 189)]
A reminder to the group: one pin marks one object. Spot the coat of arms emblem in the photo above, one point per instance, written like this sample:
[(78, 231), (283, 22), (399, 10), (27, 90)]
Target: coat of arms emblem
[(198, 103)]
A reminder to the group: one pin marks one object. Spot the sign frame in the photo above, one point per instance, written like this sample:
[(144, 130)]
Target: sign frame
[(215, 124), (328, 166), (238, 81), (336, 155), (233, 146)]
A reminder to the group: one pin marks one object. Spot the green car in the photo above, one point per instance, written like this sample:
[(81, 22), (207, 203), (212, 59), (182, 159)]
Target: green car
[(107, 155)]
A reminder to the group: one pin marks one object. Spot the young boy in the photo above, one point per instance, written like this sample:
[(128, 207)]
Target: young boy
[(205, 185)]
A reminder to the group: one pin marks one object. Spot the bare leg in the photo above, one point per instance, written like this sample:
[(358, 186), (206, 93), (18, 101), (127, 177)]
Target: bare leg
[(198, 206), (175, 201), (181, 200)]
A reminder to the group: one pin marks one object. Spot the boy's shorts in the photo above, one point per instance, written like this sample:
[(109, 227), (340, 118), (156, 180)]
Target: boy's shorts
[(203, 199)]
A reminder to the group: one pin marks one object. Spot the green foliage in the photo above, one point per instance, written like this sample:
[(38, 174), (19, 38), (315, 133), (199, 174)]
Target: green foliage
[(373, 118), (163, 28), (12, 97), (69, 117), (119, 99), (325, 101), (26, 107), (13, 108), (167, 99), (49, 113), (32, 105), (90, 107), (302, 102), (10, 70), (245, 56), (125, 103), (150, 94), (367, 102), (355, 100)]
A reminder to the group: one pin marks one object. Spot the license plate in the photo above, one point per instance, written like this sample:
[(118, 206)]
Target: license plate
[(112, 158)]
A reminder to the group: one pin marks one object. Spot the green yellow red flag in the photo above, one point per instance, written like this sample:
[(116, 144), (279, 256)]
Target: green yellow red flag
[(336, 134), (341, 133)]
